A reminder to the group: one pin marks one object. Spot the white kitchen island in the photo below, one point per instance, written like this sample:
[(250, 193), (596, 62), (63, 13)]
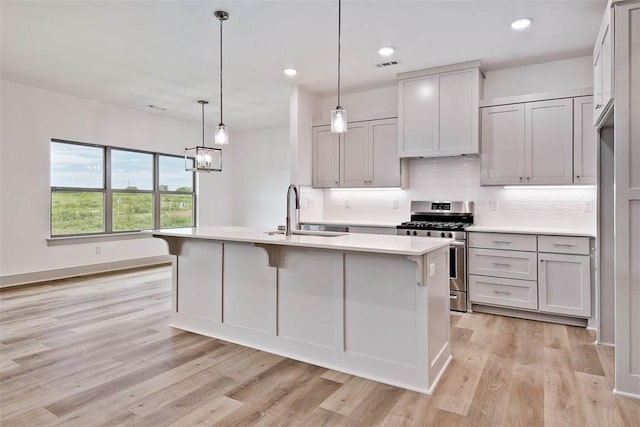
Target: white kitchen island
[(375, 306)]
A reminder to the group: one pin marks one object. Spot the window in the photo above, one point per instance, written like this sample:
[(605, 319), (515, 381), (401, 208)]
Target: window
[(97, 189)]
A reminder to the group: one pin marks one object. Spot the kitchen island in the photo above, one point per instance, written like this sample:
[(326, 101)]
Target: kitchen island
[(375, 306)]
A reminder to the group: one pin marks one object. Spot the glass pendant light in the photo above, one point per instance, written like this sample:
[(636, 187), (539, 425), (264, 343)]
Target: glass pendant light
[(203, 158), (221, 136), (339, 115)]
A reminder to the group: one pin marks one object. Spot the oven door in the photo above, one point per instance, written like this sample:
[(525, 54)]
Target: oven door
[(457, 269)]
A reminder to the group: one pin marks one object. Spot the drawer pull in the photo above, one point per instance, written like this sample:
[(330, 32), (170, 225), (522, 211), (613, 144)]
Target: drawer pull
[(501, 264), (502, 242), (502, 292), (453, 296), (563, 245)]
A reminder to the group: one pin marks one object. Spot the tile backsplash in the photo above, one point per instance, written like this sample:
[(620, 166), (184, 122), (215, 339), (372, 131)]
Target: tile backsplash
[(457, 178)]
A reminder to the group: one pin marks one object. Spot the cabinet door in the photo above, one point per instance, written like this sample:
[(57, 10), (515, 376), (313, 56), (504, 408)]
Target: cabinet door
[(548, 142), (418, 116), (355, 157), (564, 284), (458, 113), (326, 157), (502, 158), (603, 68), (597, 82), (385, 164), (584, 142)]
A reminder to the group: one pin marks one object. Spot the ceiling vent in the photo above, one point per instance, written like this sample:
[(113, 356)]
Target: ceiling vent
[(387, 64), (155, 107)]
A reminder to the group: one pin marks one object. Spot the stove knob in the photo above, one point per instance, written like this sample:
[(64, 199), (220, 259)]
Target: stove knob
[(441, 234), (450, 234), (415, 233), (408, 233)]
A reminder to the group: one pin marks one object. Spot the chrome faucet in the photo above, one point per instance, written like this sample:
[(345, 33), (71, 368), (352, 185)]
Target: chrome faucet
[(287, 228)]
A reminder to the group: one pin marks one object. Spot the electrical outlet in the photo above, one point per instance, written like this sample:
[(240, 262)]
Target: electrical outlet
[(493, 205), (432, 269), (98, 250), (310, 203), (395, 204), (588, 206), (346, 204)]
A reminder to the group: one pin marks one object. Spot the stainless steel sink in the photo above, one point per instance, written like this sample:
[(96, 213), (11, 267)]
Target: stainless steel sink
[(309, 233)]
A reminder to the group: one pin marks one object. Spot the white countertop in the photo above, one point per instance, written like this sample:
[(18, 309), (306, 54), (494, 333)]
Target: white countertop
[(532, 230), (354, 223), (377, 243)]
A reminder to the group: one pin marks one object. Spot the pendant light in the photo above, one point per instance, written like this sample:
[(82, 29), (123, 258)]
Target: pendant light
[(339, 115), (221, 135), (203, 158)]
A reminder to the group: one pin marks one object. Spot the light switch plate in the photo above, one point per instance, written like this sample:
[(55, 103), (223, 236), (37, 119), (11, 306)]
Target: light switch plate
[(432, 269)]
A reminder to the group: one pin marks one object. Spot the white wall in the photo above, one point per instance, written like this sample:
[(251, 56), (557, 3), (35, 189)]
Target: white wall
[(458, 178), (574, 73), (260, 176), (30, 118)]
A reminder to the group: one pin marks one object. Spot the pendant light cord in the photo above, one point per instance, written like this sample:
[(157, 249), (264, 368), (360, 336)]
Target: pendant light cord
[(339, 34), (221, 72), (202, 103)]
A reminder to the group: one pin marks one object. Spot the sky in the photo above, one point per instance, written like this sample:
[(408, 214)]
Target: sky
[(81, 166)]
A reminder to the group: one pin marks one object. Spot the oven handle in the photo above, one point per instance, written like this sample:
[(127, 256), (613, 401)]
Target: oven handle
[(457, 243)]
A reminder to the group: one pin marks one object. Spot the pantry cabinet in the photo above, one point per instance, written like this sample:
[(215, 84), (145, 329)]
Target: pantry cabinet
[(365, 156), (438, 111)]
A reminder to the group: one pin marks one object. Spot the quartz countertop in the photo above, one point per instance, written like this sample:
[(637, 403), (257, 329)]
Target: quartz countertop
[(532, 230), (357, 242)]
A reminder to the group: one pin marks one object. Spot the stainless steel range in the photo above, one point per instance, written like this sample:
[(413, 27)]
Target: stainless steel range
[(445, 219)]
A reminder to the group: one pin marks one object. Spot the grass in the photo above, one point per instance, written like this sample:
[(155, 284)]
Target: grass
[(83, 212)]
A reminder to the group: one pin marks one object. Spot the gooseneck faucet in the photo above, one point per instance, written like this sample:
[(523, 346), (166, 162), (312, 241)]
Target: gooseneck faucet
[(287, 227)]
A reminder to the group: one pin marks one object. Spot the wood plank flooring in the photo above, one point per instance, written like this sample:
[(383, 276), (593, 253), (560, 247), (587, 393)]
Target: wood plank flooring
[(99, 351)]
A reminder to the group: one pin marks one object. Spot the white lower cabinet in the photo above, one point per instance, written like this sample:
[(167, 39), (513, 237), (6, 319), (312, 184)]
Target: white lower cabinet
[(548, 274), (564, 284)]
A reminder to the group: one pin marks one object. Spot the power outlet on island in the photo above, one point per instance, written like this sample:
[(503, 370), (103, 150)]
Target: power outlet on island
[(432, 269)]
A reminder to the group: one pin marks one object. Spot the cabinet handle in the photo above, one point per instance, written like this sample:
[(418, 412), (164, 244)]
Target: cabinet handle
[(598, 106), (577, 176), (501, 242), (528, 178), (521, 178), (501, 264), (502, 292), (541, 260), (563, 245)]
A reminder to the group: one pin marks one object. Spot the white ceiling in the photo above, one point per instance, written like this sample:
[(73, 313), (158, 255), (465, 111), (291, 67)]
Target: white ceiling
[(134, 53)]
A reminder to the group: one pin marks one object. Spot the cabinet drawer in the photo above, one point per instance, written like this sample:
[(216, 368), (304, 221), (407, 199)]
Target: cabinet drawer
[(564, 245), (514, 242), (504, 292), (508, 264)]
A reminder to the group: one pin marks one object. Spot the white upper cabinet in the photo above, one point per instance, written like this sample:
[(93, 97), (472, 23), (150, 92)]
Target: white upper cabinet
[(355, 157), (603, 69), (585, 155), (365, 156), (540, 142), (502, 160), (385, 164), (326, 158), (548, 142), (438, 111)]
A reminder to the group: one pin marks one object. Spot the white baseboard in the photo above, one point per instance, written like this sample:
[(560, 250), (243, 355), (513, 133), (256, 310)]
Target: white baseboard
[(625, 394), (65, 273)]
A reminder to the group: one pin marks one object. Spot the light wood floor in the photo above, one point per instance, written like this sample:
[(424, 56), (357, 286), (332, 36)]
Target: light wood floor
[(99, 351)]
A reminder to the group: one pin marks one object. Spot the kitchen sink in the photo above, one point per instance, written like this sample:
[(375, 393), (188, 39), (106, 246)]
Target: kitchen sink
[(309, 233)]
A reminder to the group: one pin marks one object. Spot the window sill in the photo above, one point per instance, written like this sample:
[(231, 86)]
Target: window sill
[(73, 240)]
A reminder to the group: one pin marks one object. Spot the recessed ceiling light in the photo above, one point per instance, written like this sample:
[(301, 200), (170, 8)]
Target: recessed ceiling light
[(521, 23), (290, 72), (386, 51)]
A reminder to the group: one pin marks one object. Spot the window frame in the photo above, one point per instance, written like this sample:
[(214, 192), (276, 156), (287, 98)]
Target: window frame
[(107, 190)]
